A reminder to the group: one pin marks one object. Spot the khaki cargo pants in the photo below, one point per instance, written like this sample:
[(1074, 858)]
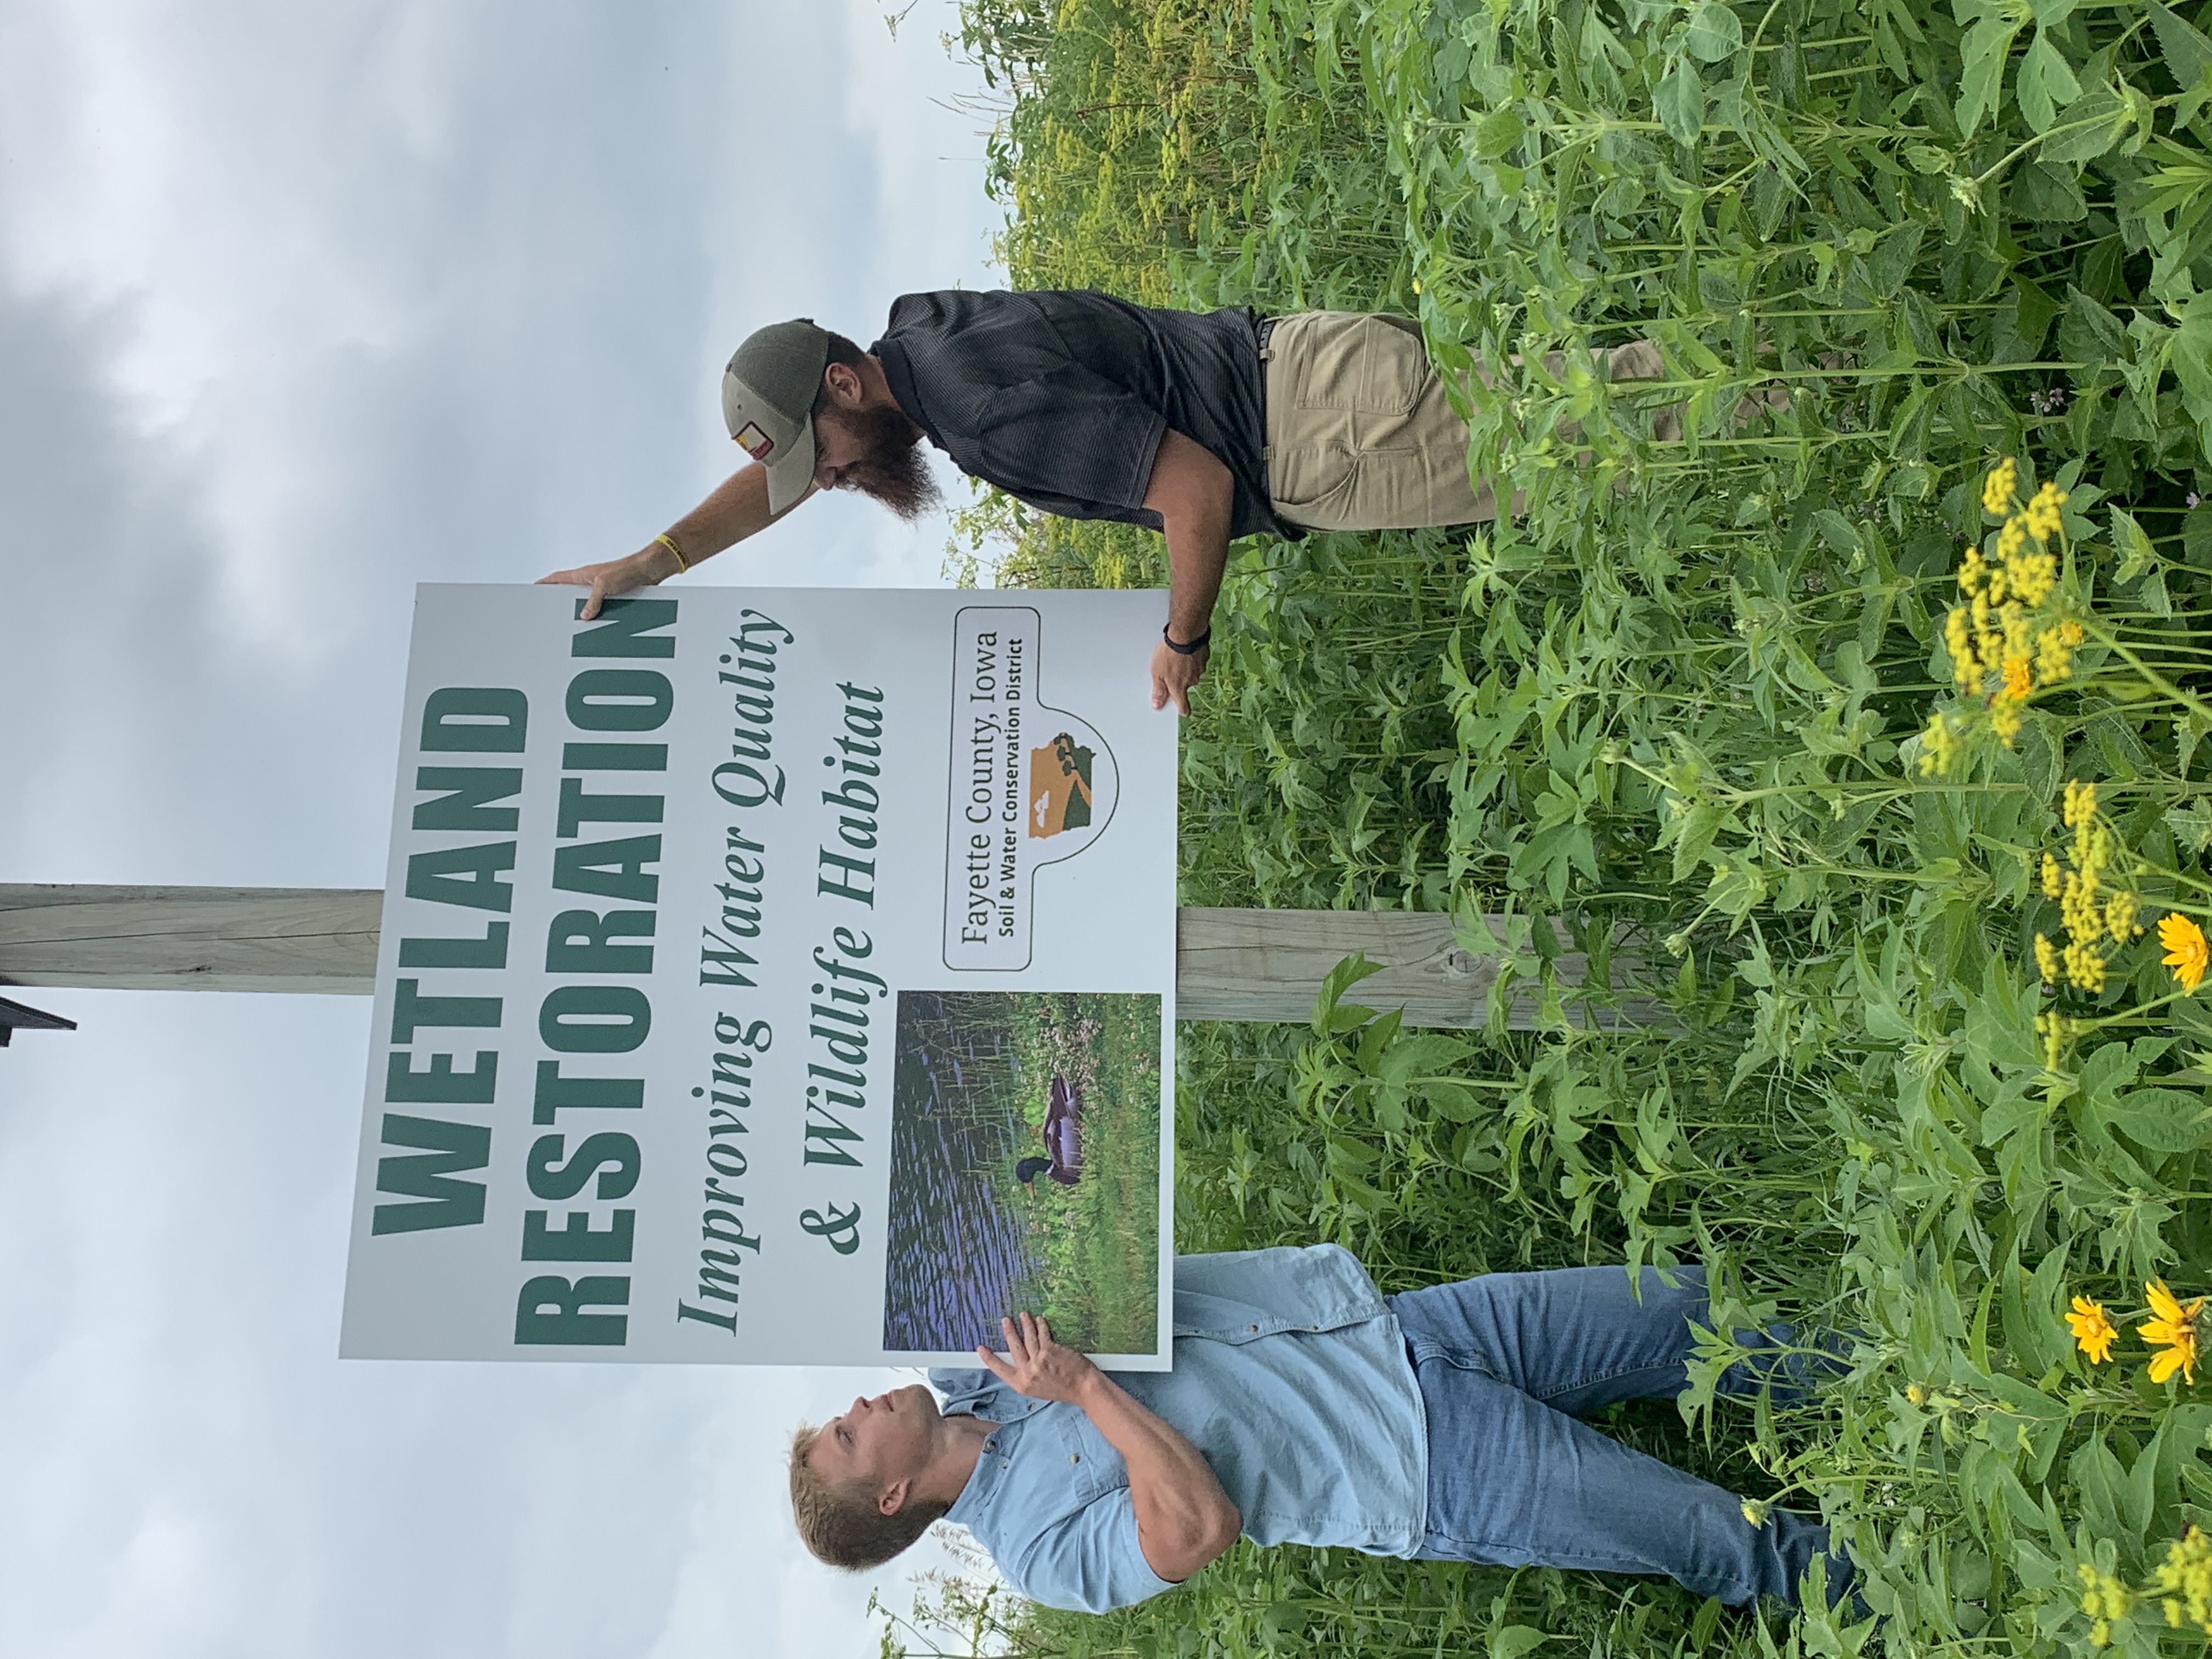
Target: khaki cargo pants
[(1360, 436)]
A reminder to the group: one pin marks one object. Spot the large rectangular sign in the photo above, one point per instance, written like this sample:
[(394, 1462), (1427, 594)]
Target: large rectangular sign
[(772, 975)]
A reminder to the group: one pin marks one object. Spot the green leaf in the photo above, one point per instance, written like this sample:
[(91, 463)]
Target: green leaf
[(2188, 54), (1981, 81), (1681, 102), (1499, 132), (2090, 128), (1328, 1017), (2192, 824), (1421, 1054), (1889, 265), (1695, 829), (1376, 1038), (2046, 83), (1714, 32), (2133, 545), (2162, 1119), (1511, 1641), (2089, 333), (2192, 361)]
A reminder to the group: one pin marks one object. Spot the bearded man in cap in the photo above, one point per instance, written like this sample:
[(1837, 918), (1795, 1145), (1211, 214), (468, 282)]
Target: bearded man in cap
[(1203, 426)]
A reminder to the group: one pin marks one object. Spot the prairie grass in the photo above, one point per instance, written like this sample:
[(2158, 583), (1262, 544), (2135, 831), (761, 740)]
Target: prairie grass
[(1752, 701)]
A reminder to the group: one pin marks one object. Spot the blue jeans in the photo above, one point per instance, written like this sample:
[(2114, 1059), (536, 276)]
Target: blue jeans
[(1507, 1365)]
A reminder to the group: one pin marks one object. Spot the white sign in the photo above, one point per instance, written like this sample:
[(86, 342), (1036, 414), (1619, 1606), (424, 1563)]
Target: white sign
[(772, 975)]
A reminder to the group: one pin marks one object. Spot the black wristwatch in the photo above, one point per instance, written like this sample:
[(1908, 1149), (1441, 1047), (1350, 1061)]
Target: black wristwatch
[(1179, 647)]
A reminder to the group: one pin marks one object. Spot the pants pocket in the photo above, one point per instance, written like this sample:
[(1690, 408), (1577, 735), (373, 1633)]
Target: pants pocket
[(1308, 481), (1353, 362)]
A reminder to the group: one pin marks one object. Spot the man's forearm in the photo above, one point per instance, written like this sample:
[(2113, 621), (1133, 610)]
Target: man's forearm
[(1197, 552), (736, 508), (1194, 495), (1184, 1518)]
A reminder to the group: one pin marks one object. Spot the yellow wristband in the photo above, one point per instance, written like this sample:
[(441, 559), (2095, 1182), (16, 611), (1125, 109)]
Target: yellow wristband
[(682, 563)]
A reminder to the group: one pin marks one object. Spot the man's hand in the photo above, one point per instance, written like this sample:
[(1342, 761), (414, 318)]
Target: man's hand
[(650, 564), (1174, 673), (1037, 1365)]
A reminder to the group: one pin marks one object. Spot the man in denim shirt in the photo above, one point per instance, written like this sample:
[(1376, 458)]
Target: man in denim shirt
[(1304, 1407)]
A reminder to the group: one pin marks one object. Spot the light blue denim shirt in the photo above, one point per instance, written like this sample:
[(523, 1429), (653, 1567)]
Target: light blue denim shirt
[(1290, 1376)]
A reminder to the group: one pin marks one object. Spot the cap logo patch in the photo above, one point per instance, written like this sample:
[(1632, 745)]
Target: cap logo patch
[(755, 442)]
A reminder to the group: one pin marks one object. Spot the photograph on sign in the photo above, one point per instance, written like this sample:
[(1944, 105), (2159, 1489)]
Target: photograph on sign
[(772, 976), (1025, 1168)]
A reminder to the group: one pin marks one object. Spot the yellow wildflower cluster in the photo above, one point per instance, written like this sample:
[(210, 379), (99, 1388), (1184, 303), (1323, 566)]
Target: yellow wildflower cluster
[(2095, 920), (2183, 1580), (2175, 1329), (2104, 1598), (2003, 645)]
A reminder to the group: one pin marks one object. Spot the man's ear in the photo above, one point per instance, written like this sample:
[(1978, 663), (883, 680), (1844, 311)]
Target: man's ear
[(844, 383), (893, 1499)]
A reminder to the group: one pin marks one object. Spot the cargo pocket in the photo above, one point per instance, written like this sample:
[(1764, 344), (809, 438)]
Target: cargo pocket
[(1357, 363), (1308, 484)]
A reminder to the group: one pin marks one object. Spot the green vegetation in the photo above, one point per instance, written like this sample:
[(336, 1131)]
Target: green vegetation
[(1929, 1080), (1097, 1239)]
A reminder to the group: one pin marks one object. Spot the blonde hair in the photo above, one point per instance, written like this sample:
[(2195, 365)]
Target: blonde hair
[(842, 1525)]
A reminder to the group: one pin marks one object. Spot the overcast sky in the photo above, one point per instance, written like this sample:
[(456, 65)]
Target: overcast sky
[(300, 305)]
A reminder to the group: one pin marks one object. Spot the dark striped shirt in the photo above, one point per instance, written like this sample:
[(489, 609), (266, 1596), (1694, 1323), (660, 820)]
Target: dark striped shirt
[(1060, 398)]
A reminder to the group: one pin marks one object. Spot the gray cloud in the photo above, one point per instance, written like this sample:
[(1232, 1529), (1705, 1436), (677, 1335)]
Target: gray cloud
[(299, 307)]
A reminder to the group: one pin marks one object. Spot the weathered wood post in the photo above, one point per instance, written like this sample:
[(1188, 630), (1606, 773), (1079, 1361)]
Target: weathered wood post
[(1263, 965)]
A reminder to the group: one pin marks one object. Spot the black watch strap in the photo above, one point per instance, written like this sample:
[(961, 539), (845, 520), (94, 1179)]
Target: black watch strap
[(1179, 647)]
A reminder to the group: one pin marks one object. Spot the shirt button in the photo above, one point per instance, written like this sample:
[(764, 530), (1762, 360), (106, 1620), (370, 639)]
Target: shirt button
[(1251, 1328), (1075, 1457)]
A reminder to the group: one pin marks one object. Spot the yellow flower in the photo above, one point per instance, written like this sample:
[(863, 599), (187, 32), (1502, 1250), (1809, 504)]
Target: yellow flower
[(2120, 917), (1965, 667), (2017, 685), (1938, 745), (2104, 1598), (1754, 1511), (2092, 1331), (2046, 960), (2081, 802), (2054, 652), (1997, 487), (2185, 949), (1916, 1394), (2084, 968), (2173, 1328), (2052, 879), (2042, 518), (2185, 1578), (2053, 1030)]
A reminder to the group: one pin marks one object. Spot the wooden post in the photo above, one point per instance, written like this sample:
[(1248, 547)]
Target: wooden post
[(191, 938), (1230, 965)]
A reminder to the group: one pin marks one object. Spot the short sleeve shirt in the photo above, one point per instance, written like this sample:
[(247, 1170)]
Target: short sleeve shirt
[(1060, 398), (1290, 1377)]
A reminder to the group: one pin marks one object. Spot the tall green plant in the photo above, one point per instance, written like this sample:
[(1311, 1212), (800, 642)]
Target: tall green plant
[(1749, 717)]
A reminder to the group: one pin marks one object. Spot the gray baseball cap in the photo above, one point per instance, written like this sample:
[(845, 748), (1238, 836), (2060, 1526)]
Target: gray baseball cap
[(768, 399)]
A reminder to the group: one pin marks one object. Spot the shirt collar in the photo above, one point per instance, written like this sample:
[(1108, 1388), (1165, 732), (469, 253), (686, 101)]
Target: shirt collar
[(900, 376)]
